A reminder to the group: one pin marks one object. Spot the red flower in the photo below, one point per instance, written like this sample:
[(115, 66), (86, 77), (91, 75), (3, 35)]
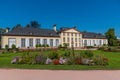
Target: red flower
[(56, 61)]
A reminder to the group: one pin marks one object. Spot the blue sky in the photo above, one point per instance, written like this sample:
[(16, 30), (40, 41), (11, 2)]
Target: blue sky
[(88, 15)]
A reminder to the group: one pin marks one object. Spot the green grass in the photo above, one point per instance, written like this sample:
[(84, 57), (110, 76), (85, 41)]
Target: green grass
[(114, 62)]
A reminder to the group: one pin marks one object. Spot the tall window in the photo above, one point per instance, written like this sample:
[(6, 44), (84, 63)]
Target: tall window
[(51, 42), (63, 34), (90, 42), (104, 42), (63, 39), (71, 34), (94, 42), (100, 42), (44, 41), (75, 39), (71, 39), (79, 40), (76, 44), (67, 34), (37, 41), (68, 39), (75, 34), (31, 42), (57, 42), (85, 42), (22, 42)]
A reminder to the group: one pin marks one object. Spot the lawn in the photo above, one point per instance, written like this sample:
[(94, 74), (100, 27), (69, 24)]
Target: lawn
[(114, 62)]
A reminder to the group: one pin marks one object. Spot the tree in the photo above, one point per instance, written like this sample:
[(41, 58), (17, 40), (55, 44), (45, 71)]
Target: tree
[(28, 25), (1, 32), (35, 24), (112, 39), (17, 26)]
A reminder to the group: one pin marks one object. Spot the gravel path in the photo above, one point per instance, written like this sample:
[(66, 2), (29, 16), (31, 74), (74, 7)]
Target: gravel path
[(21, 74)]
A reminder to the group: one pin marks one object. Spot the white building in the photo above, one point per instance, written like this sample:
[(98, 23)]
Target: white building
[(24, 37)]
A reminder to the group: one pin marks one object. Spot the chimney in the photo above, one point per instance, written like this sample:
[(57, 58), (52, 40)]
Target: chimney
[(7, 29), (54, 27)]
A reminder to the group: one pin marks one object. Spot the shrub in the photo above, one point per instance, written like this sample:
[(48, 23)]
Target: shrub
[(66, 54), (47, 45), (60, 46), (88, 53), (70, 60), (89, 47), (53, 55), (26, 58), (103, 48), (37, 45), (100, 60), (65, 45), (13, 46), (6, 47), (78, 60)]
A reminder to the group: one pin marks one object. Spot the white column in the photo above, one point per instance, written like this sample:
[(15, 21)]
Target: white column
[(27, 42), (34, 42)]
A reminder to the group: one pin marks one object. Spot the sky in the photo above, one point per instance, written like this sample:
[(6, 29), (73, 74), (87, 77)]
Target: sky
[(87, 15)]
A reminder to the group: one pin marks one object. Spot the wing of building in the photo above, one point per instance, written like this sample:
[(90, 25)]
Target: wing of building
[(93, 39), (29, 37)]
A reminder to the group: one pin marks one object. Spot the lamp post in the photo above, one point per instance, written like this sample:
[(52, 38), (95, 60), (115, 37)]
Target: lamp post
[(73, 49)]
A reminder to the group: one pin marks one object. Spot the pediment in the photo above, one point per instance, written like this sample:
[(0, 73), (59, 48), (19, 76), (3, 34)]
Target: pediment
[(72, 30)]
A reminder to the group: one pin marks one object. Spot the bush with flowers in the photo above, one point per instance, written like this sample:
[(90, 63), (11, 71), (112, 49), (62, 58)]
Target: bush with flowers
[(55, 58)]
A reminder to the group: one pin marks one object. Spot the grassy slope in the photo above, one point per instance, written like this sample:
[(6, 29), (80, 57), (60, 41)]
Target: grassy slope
[(114, 62)]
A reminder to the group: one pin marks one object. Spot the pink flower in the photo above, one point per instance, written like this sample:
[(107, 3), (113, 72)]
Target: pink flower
[(62, 61), (48, 61)]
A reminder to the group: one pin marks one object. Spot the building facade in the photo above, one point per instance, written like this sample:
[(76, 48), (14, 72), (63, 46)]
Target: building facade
[(71, 36), (93, 39), (30, 37)]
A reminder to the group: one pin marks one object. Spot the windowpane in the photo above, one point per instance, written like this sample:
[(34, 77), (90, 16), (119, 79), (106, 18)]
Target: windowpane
[(63, 39), (31, 42), (23, 42), (44, 41), (37, 41), (68, 39), (57, 42), (51, 42)]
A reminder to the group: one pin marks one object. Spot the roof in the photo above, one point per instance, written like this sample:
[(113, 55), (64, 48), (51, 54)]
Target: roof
[(92, 35), (29, 31), (65, 29)]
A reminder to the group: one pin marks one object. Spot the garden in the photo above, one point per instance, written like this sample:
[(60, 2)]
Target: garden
[(60, 59)]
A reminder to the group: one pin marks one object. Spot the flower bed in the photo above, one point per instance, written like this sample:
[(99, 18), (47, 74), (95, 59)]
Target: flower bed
[(66, 58)]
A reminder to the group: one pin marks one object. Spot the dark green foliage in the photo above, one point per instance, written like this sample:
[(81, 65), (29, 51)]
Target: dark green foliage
[(65, 45), (112, 39), (17, 26), (34, 24), (60, 46), (100, 60), (38, 45), (103, 48), (89, 47), (88, 53), (13, 46), (70, 60), (6, 47), (66, 54), (53, 55)]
